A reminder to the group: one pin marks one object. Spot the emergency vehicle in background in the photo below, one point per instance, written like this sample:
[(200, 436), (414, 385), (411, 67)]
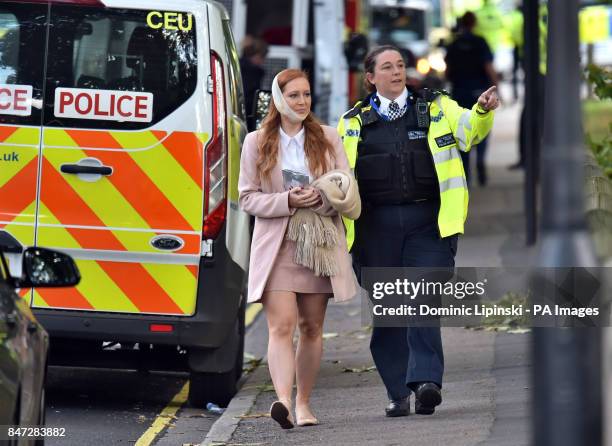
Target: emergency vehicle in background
[(413, 26), (121, 123), (304, 34)]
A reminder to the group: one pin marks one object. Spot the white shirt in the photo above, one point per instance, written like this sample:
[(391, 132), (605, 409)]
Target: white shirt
[(292, 152), (384, 102)]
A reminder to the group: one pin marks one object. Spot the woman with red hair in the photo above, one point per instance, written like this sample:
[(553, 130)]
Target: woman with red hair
[(278, 164)]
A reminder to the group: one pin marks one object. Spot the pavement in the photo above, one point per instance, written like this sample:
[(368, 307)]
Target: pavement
[(486, 387)]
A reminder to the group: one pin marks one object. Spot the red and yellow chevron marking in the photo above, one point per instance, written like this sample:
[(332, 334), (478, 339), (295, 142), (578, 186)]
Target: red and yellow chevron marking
[(121, 286), (155, 188), (127, 288), (18, 174)]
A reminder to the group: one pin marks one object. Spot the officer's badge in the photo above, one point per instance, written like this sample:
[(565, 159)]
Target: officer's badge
[(416, 134), (445, 140)]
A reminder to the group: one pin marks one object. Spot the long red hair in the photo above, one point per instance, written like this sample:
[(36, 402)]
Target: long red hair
[(316, 145)]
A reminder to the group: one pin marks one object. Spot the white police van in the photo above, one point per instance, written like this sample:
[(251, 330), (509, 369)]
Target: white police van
[(121, 124)]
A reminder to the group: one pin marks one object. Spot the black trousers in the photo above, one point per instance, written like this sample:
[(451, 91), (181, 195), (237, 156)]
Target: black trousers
[(404, 236)]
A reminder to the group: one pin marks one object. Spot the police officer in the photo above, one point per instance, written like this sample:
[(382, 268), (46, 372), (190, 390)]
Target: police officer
[(469, 69), (404, 147)]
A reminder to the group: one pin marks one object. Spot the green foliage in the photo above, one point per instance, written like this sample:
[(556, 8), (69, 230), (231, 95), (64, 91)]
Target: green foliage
[(601, 80), (603, 152)]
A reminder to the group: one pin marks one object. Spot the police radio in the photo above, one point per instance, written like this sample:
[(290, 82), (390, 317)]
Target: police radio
[(422, 113)]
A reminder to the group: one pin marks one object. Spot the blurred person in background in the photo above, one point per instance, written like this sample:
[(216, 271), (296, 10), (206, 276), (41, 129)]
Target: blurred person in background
[(469, 69), (514, 25), (254, 52), (489, 24)]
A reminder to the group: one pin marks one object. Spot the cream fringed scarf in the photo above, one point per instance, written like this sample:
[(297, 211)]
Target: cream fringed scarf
[(315, 233)]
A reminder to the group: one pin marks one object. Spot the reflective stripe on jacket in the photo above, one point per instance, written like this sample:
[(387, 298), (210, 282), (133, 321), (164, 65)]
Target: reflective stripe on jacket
[(452, 128)]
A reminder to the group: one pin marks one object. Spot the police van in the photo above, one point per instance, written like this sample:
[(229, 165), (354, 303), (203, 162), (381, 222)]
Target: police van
[(121, 123)]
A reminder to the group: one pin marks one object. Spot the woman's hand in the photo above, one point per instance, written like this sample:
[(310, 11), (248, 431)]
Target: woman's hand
[(489, 100), (303, 198)]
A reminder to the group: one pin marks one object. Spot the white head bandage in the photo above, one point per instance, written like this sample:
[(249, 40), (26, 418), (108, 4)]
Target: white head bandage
[(281, 104)]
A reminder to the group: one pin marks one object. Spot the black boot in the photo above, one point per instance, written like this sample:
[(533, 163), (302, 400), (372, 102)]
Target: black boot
[(398, 408), (428, 396)]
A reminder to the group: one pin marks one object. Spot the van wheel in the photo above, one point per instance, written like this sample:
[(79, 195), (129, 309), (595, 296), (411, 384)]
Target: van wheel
[(220, 388), (239, 367), (208, 387)]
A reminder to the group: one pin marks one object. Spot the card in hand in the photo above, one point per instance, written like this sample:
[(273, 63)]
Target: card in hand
[(291, 179)]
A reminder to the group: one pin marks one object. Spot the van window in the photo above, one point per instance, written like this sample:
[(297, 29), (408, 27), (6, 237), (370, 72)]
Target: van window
[(120, 50), (22, 51), (235, 80)]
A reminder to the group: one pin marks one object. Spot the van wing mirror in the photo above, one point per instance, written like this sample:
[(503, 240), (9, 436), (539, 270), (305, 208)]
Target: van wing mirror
[(262, 105), (47, 268)]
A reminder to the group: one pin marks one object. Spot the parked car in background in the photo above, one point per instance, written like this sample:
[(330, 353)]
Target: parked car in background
[(23, 341)]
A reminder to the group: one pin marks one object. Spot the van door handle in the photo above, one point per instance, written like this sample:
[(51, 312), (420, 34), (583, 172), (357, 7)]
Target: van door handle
[(76, 169)]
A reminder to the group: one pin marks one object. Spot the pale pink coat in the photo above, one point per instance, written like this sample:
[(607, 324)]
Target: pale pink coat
[(269, 203)]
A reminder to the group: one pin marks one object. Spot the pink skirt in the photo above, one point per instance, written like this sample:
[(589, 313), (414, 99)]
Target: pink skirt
[(286, 275)]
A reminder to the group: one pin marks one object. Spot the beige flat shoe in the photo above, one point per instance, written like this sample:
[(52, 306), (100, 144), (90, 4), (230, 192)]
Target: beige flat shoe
[(280, 413), (306, 421)]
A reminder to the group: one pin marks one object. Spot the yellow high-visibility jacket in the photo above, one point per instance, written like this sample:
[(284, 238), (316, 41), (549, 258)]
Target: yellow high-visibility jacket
[(468, 127)]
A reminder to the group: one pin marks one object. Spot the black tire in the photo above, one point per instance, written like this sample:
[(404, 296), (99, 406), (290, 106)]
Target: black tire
[(206, 387), (239, 367), (220, 388)]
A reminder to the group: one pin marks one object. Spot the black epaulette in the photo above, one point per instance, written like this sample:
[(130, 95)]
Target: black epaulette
[(353, 111), (430, 95), (366, 112), (368, 115)]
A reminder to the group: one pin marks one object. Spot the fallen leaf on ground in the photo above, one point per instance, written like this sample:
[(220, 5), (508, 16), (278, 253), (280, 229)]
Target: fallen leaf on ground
[(245, 444), (519, 330), (254, 415), (250, 356), (172, 417), (265, 388), (359, 370)]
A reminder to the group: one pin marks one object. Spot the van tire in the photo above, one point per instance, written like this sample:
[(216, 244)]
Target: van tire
[(239, 367), (220, 388), (209, 387)]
